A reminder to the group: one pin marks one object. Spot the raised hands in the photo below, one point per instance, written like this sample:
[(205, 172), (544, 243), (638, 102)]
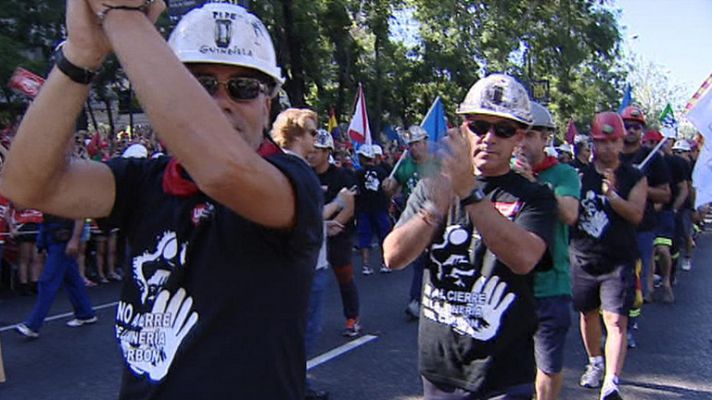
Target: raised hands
[(457, 162)]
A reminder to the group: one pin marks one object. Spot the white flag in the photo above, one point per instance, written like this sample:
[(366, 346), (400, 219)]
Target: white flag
[(700, 115), (359, 130)]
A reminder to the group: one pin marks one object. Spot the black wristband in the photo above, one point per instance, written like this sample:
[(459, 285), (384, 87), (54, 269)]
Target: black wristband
[(476, 196), (73, 72)]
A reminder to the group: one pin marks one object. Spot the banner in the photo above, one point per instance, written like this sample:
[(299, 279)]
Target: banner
[(627, 99), (359, 131), (571, 132), (699, 113), (26, 82), (668, 123), (435, 121)]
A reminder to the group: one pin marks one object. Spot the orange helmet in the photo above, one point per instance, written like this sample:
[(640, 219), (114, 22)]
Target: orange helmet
[(633, 113), (607, 125)]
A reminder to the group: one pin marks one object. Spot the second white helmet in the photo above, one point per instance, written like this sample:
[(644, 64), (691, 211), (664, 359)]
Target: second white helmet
[(541, 116)]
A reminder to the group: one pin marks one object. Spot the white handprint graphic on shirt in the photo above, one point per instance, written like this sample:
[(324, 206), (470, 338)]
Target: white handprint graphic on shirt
[(151, 350), (488, 303)]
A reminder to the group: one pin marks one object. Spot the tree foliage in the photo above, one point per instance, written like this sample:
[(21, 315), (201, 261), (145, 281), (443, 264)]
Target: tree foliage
[(327, 47)]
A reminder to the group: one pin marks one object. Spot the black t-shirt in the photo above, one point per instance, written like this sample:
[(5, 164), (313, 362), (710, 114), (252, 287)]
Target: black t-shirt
[(332, 181), (601, 236), (371, 197), (658, 173), (577, 164), (471, 335), (213, 305), (679, 172)]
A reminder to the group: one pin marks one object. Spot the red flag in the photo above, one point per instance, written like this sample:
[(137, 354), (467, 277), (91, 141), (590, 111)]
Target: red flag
[(358, 129), (571, 132), (26, 82)]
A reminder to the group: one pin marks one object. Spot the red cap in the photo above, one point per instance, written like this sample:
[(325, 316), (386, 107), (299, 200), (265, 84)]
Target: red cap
[(652, 136), (607, 125), (633, 113)]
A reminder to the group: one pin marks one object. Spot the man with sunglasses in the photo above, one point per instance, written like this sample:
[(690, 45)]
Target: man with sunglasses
[(486, 228), (224, 236), (603, 256), (552, 288), (658, 176)]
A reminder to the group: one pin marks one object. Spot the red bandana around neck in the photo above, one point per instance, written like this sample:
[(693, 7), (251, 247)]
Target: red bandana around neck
[(177, 182), (547, 163)]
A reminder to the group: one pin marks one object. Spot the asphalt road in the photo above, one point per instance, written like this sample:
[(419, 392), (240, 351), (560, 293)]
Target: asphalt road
[(673, 359)]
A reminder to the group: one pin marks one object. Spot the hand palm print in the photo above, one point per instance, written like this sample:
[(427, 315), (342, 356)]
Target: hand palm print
[(490, 303)]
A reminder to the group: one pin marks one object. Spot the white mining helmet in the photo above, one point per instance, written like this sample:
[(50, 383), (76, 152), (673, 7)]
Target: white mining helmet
[(498, 95), (223, 33)]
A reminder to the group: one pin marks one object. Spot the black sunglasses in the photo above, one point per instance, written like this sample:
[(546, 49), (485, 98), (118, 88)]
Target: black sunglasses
[(502, 130), (633, 125), (239, 88)]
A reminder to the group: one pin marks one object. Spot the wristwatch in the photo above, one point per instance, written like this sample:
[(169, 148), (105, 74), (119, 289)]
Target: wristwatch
[(75, 73), (476, 196)]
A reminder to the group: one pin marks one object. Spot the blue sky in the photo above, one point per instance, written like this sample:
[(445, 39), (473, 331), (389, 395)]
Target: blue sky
[(676, 34)]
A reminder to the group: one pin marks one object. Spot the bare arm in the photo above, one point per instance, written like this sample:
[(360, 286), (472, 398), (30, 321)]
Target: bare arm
[(192, 124), (659, 193), (682, 192), (633, 208), (568, 209), (406, 242)]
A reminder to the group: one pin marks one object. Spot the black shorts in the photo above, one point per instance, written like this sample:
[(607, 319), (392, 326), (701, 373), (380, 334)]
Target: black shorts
[(613, 292), (27, 233), (665, 232), (554, 315), (339, 249)]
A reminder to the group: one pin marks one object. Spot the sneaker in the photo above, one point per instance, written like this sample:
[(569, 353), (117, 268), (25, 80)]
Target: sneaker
[(631, 341), (353, 328), (686, 264), (25, 331), (367, 270), (413, 309), (89, 283), (76, 322), (611, 393), (103, 280), (592, 377), (384, 269)]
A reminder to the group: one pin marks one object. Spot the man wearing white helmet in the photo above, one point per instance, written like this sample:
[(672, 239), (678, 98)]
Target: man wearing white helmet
[(552, 288), (416, 165), (224, 237), (487, 228)]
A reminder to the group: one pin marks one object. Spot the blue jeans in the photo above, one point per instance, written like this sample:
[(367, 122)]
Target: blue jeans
[(315, 309), (645, 246), (59, 268)]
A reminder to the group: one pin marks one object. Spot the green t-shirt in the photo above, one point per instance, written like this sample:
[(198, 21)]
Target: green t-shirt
[(563, 180), (409, 173)]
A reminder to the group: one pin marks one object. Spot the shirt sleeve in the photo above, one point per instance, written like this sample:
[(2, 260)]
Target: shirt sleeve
[(569, 184), (309, 200), (539, 216), (130, 176)]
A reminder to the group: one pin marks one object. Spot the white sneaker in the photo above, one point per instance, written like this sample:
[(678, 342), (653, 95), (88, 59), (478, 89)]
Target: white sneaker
[(686, 265), (76, 322), (592, 377), (367, 270), (25, 331), (385, 269)]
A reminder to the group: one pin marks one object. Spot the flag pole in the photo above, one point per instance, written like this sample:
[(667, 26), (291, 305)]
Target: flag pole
[(650, 156)]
